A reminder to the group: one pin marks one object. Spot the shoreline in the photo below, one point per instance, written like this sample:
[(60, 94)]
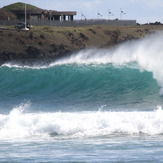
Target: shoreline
[(47, 43)]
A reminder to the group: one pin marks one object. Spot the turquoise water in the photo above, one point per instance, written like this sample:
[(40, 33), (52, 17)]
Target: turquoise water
[(78, 88), (94, 106)]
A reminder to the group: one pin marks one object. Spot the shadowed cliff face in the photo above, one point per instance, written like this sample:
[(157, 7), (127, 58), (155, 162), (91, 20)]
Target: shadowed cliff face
[(52, 42)]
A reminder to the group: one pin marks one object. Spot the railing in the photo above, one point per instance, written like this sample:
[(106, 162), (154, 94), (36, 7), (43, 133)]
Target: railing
[(39, 22)]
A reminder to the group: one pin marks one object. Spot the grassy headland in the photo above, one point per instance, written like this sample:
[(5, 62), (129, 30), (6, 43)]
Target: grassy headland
[(50, 42), (18, 6)]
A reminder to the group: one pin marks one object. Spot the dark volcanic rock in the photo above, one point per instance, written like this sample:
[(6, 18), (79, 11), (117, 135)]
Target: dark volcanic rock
[(33, 51), (92, 31), (48, 42), (83, 37)]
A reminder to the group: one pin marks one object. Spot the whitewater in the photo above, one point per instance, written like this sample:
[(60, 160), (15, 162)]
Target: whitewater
[(97, 105)]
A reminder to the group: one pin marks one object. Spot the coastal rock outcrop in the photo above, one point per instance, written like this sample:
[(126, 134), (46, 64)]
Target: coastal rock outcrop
[(54, 42)]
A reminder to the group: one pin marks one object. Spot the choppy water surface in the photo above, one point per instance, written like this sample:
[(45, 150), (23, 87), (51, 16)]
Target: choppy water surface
[(94, 106)]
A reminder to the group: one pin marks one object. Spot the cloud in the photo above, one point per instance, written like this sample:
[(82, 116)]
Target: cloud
[(90, 4), (87, 5), (150, 3)]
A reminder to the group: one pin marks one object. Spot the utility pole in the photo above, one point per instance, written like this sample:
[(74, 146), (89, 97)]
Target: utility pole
[(25, 15)]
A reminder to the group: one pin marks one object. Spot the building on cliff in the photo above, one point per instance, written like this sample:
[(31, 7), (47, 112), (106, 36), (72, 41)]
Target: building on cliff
[(37, 14), (14, 13)]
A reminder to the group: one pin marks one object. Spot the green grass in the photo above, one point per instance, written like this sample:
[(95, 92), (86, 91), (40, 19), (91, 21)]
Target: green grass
[(57, 41), (19, 6)]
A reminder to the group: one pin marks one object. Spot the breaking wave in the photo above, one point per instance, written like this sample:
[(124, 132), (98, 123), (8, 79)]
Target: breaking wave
[(20, 124)]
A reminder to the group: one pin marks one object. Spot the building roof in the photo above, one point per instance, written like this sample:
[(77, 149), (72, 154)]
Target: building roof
[(18, 9)]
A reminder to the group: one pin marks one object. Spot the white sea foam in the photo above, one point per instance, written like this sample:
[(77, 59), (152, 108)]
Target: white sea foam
[(146, 53), (22, 125), (17, 64)]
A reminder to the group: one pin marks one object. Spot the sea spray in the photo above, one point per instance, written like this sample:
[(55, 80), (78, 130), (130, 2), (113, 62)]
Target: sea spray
[(84, 109), (127, 76), (146, 53), (18, 125)]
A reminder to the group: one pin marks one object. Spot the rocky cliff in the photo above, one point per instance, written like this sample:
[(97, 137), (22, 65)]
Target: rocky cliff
[(51, 42)]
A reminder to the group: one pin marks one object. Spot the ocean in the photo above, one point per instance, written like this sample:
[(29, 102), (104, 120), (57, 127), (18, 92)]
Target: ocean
[(95, 106)]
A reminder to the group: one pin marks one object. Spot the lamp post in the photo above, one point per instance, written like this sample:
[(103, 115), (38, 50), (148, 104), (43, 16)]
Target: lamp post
[(25, 15), (109, 14), (98, 14), (121, 13), (83, 16), (50, 17)]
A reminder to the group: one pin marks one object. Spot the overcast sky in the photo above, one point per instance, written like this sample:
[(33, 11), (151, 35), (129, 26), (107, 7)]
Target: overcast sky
[(144, 11)]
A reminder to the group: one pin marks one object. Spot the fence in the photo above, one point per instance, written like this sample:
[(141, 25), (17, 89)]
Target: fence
[(71, 23)]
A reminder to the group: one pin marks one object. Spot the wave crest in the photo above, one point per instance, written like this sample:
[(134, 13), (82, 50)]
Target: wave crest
[(18, 125), (147, 53)]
